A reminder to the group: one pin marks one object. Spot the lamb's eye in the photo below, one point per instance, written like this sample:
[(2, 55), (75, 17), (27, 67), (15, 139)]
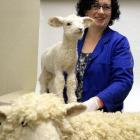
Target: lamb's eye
[(24, 124), (69, 23)]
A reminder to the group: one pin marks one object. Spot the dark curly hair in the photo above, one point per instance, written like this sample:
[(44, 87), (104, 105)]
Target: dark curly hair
[(84, 5)]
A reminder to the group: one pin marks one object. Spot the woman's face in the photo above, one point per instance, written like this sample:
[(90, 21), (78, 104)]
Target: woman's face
[(101, 13)]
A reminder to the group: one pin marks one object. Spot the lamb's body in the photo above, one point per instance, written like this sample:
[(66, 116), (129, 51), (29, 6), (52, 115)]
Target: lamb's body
[(65, 63), (62, 57), (45, 117)]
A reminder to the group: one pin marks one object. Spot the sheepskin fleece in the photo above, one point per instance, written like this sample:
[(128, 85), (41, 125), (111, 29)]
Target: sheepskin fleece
[(85, 126), (106, 126), (34, 109)]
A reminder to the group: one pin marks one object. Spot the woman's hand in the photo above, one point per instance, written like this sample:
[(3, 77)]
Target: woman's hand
[(93, 104)]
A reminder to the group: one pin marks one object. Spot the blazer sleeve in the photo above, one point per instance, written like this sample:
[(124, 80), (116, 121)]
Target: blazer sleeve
[(121, 76)]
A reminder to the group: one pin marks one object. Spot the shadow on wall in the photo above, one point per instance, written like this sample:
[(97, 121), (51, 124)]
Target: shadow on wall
[(19, 29)]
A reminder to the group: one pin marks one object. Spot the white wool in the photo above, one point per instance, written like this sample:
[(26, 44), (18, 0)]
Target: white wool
[(46, 117), (62, 57), (106, 126), (31, 109)]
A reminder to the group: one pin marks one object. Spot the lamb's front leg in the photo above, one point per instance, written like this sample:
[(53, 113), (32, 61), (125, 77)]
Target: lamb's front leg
[(59, 84), (71, 87)]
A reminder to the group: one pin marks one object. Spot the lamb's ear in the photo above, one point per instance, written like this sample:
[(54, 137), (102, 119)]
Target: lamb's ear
[(74, 109), (55, 21), (88, 21)]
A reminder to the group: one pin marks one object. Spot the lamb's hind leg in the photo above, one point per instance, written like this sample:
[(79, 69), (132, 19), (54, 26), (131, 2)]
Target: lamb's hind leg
[(59, 84), (71, 87), (44, 80)]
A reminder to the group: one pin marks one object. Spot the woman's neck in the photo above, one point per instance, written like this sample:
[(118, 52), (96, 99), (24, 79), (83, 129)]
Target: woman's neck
[(95, 33), (92, 37)]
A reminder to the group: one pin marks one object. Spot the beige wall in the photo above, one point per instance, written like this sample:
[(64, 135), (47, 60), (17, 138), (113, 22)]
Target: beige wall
[(19, 23)]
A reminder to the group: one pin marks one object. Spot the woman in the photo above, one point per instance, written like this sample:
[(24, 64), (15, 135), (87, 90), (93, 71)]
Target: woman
[(105, 64)]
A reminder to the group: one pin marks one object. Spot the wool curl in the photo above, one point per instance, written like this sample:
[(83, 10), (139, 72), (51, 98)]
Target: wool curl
[(106, 126), (36, 107)]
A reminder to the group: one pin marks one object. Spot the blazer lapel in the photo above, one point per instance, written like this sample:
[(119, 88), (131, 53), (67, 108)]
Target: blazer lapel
[(101, 44)]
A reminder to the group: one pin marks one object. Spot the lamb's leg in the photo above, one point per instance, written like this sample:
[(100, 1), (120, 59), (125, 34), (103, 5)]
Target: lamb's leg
[(71, 87), (44, 80), (59, 84)]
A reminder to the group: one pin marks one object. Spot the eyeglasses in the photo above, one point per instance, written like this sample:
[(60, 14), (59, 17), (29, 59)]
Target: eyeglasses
[(105, 7)]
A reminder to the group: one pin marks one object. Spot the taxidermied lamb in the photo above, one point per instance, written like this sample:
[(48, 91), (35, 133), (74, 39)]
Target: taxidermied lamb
[(62, 57), (45, 117)]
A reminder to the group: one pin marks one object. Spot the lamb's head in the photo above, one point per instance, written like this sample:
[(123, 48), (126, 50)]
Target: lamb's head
[(37, 117), (73, 25)]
